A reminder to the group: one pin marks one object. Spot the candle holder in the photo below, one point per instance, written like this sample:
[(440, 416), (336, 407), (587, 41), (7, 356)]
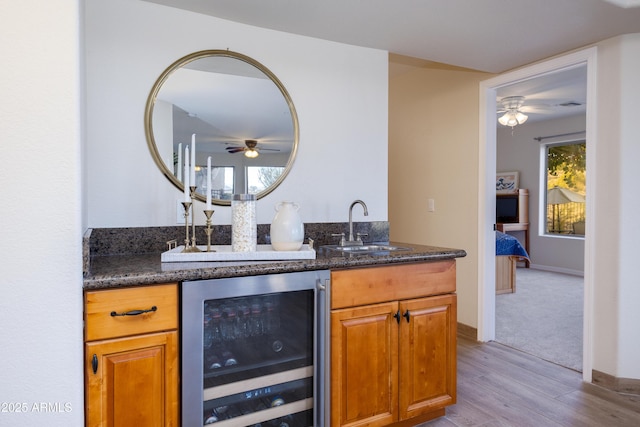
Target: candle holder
[(193, 247), (209, 213), (187, 206)]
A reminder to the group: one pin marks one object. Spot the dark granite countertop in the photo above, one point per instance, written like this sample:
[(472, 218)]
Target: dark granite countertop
[(113, 271)]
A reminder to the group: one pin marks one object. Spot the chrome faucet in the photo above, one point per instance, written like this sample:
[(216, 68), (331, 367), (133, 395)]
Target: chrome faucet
[(351, 241)]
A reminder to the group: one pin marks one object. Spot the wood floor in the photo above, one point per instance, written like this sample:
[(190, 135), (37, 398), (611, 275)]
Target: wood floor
[(499, 386)]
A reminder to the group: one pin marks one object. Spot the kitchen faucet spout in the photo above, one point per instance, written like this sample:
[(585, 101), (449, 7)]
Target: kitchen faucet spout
[(351, 240)]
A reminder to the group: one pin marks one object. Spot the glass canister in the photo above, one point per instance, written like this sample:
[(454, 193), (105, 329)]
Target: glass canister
[(244, 227), (287, 228)]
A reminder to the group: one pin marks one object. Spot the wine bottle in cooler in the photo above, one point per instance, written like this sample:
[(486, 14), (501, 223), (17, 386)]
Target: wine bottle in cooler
[(229, 315), (286, 421)]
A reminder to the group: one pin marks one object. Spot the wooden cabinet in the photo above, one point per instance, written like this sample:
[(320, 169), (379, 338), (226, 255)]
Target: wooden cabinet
[(393, 344), (131, 357), (364, 365)]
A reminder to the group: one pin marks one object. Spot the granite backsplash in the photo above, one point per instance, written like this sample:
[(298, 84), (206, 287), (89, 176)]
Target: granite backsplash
[(144, 240)]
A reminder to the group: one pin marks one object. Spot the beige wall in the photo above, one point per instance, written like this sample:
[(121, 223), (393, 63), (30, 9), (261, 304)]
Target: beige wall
[(433, 154)]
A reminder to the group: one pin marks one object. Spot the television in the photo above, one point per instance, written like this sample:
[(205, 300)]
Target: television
[(507, 206)]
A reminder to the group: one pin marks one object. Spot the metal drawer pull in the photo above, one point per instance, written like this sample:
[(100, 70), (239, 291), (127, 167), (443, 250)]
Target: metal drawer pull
[(134, 312), (407, 315)]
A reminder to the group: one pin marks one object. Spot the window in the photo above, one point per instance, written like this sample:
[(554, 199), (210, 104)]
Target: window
[(261, 177), (565, 190), (221, 181)]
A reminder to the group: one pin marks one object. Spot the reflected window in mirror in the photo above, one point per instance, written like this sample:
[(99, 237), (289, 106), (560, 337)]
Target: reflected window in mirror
[(260, 178), (222, 181)]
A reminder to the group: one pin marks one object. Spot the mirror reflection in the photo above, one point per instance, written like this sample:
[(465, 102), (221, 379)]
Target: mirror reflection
[(229, 110)]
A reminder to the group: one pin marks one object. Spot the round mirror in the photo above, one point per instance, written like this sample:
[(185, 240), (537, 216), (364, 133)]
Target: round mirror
[(227, 109)]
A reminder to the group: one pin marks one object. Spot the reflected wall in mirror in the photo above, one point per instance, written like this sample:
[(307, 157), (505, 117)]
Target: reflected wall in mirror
[(241, 115)]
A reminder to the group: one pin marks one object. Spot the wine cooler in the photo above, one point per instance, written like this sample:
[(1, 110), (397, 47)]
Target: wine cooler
[(253, 350)]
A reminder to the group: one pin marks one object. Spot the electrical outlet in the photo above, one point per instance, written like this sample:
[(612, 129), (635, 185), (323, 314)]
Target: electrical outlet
[(431, 205)]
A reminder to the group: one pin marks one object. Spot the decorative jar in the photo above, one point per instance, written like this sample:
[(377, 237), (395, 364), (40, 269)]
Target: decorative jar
[(287, 229), (244, 228)]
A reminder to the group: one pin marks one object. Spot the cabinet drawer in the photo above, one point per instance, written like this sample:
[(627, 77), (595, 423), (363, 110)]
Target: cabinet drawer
[(122, 312), (350, 288)]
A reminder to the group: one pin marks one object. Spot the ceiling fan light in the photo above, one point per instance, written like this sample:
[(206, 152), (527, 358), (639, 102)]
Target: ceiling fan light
[(513, 118), (504, 119), (521, 118), (250, 153)]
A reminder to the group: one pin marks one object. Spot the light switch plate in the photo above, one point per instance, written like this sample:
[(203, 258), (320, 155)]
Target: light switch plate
[(431, 205)]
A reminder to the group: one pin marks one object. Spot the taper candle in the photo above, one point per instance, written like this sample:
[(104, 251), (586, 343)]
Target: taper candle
[(192, 177), (209, 183), (179, 166), (187, 191)]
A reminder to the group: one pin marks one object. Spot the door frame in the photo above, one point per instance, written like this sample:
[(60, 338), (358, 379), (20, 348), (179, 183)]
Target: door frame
[(486, 192)]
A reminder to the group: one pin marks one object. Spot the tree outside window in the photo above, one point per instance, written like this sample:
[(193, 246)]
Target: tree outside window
[(260, 178), (566, 188)]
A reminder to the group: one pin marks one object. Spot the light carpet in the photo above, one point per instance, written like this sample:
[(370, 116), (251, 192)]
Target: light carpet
[(543, 317)]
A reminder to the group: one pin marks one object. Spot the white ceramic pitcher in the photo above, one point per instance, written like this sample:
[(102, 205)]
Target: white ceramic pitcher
[(287, 229)]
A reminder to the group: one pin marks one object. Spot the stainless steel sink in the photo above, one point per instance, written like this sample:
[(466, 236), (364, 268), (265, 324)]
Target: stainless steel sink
[(365, 248)]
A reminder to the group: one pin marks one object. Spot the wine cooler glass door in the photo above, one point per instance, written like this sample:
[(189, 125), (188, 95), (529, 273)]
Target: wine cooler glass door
[(249, 346)]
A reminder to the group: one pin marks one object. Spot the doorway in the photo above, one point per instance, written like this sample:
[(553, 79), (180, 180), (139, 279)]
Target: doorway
[(486, 214), (543, 314)]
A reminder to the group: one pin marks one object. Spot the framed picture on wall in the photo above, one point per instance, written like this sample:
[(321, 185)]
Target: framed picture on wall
[(507, 182)]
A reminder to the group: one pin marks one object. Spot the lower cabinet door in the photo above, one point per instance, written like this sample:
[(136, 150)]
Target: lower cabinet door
[(364, 366), (132, 381), (427, 355)]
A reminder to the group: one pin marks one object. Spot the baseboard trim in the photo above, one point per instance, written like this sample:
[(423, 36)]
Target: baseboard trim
[(620, 385), (557, 270), (468, 331)]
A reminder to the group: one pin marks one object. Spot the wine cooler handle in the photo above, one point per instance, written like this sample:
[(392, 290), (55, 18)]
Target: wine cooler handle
[(397, 316), (407, 316), (94, 363), (134, 312), (320, 286)]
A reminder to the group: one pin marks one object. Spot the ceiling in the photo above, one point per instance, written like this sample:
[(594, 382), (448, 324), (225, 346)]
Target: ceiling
[(551, 96), (489, 35)]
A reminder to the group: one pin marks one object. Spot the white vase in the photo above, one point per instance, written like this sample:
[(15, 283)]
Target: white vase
[(287, 229)]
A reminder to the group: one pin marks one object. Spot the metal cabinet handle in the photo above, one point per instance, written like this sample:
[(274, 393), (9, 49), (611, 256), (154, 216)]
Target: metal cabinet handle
[(134, 312), (407, 316), (397, 316), (94, 363)]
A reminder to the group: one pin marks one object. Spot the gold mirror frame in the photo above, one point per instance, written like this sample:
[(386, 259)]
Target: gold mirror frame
[(151, 100)]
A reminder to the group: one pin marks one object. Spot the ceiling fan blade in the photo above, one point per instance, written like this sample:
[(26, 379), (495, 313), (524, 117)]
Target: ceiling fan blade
[(266, 149), (538, 109), (235, 149)]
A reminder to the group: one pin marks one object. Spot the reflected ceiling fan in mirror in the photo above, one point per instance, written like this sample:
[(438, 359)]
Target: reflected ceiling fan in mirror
[(250, 148)]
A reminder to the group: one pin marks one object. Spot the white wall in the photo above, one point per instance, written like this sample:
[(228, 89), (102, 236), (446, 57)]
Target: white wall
[(339, 91), (616, 290), (520, 152), (41, 296)]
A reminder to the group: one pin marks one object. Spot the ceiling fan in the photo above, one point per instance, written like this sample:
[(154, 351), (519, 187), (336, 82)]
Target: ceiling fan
[(514, 110), (250, 148)]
